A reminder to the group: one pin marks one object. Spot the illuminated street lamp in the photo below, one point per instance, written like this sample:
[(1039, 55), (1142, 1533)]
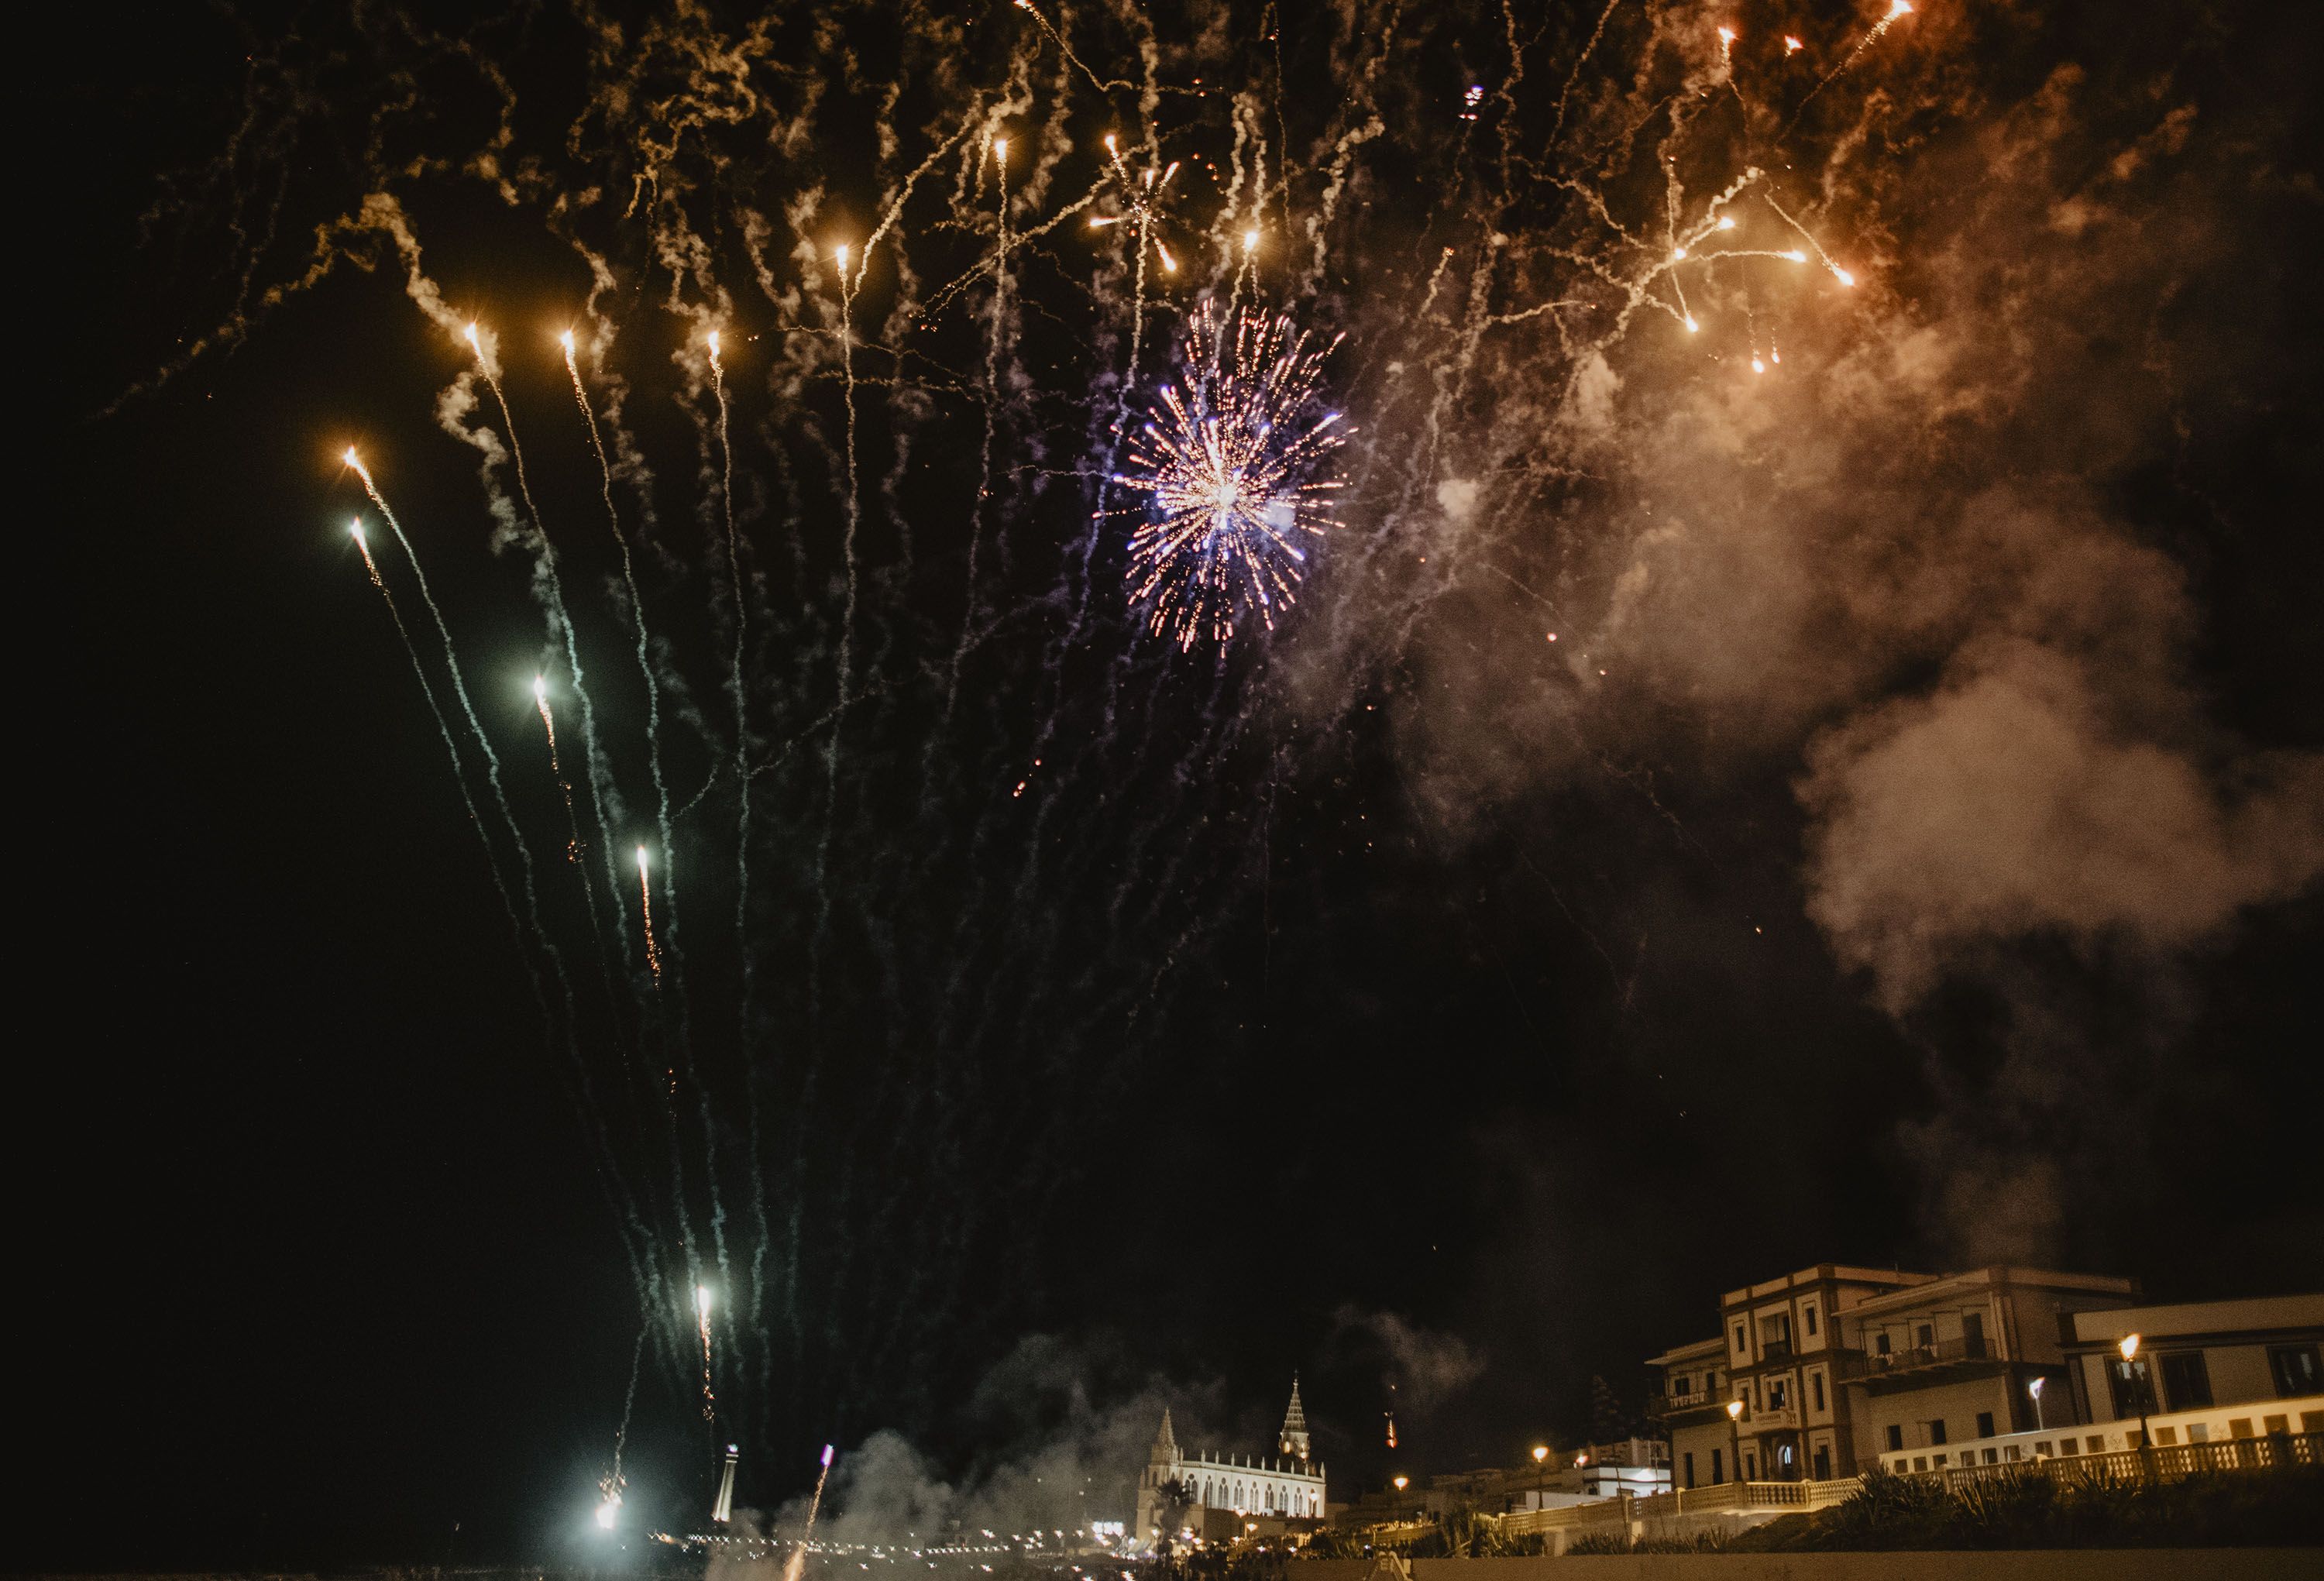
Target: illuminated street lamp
[(1735, 1437), (2129, 1348), (2034, 1387), (1400, 1483), (1540, 1453)]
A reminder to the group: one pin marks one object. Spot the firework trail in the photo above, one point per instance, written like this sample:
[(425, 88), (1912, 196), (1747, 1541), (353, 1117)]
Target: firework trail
[(460, 690), (645, 908), (575, 847), (608, 1178), (601, 784), (611, 1486), (702, 1317), (1837, 274), (734, 683), (1897, 8), (992, 412), (645, 662), (742, 860), (444, 729), (1228, 469), (846, 640), (797, 1560), (572, 846)]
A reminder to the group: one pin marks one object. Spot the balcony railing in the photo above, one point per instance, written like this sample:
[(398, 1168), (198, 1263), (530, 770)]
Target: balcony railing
[(1670, 1405), (1858, 1363)]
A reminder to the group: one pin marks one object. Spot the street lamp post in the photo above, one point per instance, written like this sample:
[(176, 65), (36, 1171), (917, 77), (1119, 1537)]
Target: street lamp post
[(2129, 1348), (2034, 1388), (1735, 1437)]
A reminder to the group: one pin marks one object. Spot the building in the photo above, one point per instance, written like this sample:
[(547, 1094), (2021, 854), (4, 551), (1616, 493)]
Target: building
[(1818, 1373), (1222, 1497), (2265, 1353)]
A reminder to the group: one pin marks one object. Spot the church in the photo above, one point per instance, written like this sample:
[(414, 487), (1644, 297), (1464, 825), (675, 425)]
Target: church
[(1218, 1498)]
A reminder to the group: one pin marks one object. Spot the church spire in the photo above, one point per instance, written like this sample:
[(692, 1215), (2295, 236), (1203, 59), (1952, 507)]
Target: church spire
[(1293, 1441), (1166, 1444)]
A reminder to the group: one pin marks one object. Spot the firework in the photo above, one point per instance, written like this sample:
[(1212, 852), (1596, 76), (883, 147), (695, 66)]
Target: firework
[(369, 564), (645, 907), (797, 1560), (1232, 467), (1897, 8), (1141, 203), (573, 843), (701, 1311)]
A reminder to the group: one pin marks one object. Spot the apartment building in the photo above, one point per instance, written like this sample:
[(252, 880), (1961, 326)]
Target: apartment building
[(1815, 1375), (1953, 1358), (2266, 1353)]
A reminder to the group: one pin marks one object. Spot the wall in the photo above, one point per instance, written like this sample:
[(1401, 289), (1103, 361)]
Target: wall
[(1956, 1403)]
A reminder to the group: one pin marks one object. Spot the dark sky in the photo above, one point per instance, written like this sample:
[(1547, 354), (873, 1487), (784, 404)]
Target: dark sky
[(1905, 854)]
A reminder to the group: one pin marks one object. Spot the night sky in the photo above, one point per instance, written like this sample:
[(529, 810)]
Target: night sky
[(1694, 822)]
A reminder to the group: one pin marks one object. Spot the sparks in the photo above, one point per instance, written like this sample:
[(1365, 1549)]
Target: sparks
[(356, 527), (1141, 202), (1232, 468), (653, 952), (701, 1299)]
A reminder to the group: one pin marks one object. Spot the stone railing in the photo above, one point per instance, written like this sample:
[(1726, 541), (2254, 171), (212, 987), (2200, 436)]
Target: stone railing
[(1751, 1502), (2164, 1463)]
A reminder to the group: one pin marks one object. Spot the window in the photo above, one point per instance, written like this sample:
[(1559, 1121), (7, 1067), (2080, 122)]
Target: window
[(1973, 1335), (1991, 1455), (2166, 1435), (1742, 1341), (2015, 1452), (2065, 1447), (1690, 1469), (1815, 1389), (2199, 1432), (2043, 1447), (1928, 1335), (1880, 1343), (1823, 1463), (1938, 1459), (2186, 1381), (1750, 1465), (2296, 1370), (1808, 1313), (1921, 1462), (1778, 1394), (1937, 1430), (1896, 1435), (1718, 1473), (1678, 1383), (2126, 1381), (2239, 1428), (1985, 1424), (2276, 1424)]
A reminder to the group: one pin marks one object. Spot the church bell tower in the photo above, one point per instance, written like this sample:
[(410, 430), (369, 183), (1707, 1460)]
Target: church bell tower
[(1293, 1443)]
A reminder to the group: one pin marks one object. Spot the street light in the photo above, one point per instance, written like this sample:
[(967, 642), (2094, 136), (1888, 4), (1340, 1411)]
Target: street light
[(1735, 1437), (2034, 1387), (2129, 1348), (1540, 1453), (1400, 1483)]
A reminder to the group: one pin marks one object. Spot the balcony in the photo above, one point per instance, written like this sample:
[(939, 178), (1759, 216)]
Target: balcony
[(1667, 1406), (1771, 1419), (1966, 1355)]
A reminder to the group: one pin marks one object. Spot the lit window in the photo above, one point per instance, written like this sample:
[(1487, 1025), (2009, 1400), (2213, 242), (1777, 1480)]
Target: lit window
[(2295, 1369)]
